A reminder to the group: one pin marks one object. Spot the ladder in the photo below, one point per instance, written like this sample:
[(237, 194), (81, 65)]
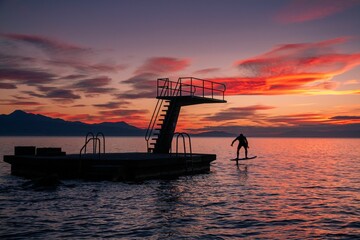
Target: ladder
[(96, 144), (186, 154)]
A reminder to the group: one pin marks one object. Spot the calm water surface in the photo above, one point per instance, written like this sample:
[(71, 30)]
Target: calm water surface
[(297, 188)]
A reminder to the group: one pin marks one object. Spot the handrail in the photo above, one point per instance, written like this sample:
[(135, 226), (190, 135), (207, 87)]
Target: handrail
[(157, 109), (86, 141), (84, 147), (180, 88), (95, 141), (214, 87), (183, 134), (103, 137), (152, 122), (172, 91)]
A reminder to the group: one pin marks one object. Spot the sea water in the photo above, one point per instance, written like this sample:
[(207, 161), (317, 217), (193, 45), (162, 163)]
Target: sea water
[(296, 188)]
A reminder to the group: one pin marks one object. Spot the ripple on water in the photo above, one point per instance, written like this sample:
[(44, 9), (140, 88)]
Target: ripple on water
[(284, 194)]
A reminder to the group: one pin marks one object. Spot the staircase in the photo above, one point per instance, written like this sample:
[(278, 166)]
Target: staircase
[(171, 97)]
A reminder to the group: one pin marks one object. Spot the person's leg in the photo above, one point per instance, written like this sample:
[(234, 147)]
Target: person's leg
[(238, 150), (246, 152)]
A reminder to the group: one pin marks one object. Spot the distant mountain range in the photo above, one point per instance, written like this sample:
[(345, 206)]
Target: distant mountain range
[(20, 123)]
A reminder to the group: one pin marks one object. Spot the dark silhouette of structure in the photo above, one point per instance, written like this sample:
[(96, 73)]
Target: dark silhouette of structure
[(92, 162), (242, 143), (171, 97)]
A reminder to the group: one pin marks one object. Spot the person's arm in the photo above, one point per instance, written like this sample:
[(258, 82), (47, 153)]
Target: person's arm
[(233, 141)]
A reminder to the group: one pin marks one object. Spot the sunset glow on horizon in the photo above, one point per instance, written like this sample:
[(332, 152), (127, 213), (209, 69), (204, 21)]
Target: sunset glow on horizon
[(285, 63)]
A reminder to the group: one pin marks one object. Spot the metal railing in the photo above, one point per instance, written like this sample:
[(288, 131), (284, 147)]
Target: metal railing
[(190, 86), (184, 135), (90, 137), (174, 89)]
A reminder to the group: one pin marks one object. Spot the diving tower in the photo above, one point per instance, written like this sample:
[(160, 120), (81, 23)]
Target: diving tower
[(171, 97)]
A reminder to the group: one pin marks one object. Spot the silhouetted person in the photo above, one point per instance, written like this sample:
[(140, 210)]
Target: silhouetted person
[(242, 143)]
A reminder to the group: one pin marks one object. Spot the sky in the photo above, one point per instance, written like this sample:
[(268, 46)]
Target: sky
[(293, 63)]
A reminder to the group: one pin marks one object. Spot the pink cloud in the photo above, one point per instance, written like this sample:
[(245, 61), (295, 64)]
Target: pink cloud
[(307, 10), (163, 65), (60, 54), (45, 43), (112, 105), (26, 76), (93, 82), (206, 71), (19, 103), (55, 94), (85, 65), (143, 86), (62, 94), (7, 85), (96, 85)]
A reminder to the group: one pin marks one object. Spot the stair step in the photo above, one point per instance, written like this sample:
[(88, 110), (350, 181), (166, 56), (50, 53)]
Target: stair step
[(163, 115), (154, 139), (161, 119), (152, 143), (159, 129)]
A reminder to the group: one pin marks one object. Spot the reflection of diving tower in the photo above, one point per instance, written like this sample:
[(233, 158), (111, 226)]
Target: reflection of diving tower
[(171, 97)]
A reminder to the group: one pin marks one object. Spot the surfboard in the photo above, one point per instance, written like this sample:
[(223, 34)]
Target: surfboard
[(243, 159)]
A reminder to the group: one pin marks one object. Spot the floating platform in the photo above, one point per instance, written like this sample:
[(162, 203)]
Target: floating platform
[(110, 166)]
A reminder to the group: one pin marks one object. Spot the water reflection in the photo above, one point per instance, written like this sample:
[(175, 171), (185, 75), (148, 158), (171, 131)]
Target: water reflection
[(167, 209), (302, 188), (242, 170)]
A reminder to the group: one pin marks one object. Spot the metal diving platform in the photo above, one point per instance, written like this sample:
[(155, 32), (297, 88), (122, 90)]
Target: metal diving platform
[(171, 97)]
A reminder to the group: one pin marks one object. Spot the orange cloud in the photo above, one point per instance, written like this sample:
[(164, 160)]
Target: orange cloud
[(345, 119), (292, 69), (307, 10), (313, 119)]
